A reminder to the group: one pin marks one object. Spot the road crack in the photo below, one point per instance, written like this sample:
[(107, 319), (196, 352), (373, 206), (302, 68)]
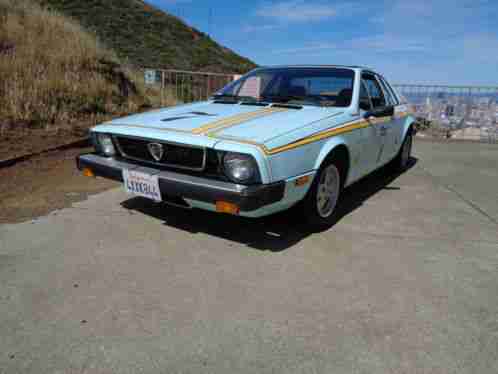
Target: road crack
[(457, 193)]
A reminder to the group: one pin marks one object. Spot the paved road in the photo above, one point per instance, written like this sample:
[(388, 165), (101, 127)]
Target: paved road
[(405, 282)]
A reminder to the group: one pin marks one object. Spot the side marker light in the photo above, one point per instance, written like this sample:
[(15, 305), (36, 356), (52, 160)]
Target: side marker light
[(224, 207), (87, 172), (301, 181)]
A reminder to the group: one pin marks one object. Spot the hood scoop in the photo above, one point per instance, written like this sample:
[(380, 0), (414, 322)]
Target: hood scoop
[(254, 104), (188, 115), (174, 118), (203, 114), (232, 102), (289, 106)]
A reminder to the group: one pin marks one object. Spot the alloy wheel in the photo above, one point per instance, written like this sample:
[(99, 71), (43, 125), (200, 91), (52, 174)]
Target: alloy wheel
[(328, 191)]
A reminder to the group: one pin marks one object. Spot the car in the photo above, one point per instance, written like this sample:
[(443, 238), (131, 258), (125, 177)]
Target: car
[(276, 138)]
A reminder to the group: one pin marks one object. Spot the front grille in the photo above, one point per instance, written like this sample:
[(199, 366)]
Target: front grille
[(175, 155)]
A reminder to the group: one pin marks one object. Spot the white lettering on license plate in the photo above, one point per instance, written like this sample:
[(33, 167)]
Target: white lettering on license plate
[(142, 184)]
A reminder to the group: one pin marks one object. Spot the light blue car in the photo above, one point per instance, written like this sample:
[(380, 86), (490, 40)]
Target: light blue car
[(277, 137)]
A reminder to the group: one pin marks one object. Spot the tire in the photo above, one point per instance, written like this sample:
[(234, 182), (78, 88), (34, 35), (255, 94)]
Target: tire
[(320, 203), (402, 159)]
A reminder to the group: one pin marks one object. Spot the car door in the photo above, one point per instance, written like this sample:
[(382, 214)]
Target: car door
[(383, 125), (373, 141), (393, 140)]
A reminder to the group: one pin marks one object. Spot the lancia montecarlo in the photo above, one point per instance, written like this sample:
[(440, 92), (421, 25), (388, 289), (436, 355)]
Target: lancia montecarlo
[(275, 138)]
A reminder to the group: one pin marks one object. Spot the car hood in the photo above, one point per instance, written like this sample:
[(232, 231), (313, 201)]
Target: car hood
[(212, 120)]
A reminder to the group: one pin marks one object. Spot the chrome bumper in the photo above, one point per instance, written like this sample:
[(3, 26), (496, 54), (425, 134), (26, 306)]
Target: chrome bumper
[(248, 198)]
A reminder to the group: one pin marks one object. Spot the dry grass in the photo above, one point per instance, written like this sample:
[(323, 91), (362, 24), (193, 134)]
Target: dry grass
[(54, 72)]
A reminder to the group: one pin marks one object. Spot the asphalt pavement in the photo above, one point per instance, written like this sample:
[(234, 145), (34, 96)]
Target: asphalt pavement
[(405, 282)]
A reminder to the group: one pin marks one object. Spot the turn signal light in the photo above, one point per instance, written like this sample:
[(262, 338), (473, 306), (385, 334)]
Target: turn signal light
[(87, 172), (301, 181), (224, 207)]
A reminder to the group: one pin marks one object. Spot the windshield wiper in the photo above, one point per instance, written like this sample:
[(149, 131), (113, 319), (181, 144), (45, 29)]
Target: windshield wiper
[(234, 97), (289, 98)]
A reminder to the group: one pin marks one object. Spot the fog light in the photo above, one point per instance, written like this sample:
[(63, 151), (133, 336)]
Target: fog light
[(87, 172), (224, 207)]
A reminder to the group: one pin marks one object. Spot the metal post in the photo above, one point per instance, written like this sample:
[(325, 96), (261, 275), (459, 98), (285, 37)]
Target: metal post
[(208, 86), (183, 88), (176, 87), (162, 88)]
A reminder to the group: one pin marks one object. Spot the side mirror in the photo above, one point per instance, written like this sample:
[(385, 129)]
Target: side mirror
[(387, 111)]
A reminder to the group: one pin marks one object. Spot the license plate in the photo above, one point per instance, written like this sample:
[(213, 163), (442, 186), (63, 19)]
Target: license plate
[(141, 184)]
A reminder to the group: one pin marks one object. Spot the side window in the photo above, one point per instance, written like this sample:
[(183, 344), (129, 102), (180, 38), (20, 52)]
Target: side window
[(375, 91), (389, 97), (389, 89), (365, 103)]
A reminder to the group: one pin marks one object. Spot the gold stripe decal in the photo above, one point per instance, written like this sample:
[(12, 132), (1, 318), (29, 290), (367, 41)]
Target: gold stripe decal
[(219, 125), (348, 127), (216, 126), (320, 136)]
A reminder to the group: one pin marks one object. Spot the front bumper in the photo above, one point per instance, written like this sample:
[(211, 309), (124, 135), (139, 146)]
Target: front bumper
[(247, 198)]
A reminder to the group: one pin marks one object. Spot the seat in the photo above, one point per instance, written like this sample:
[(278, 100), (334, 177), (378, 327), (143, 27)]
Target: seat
[(297, 91), (344, 98)]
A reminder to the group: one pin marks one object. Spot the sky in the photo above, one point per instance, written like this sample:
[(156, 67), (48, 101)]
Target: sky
[(409, 41)]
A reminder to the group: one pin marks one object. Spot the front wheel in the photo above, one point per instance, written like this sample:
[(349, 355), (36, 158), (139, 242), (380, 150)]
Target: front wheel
[(321, 200)]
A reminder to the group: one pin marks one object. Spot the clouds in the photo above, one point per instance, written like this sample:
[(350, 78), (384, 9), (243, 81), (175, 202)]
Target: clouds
[(377, 44), (172, 2), (258, 28), (439, 41), (389, 43), (291, 11), (436, 29), (309, 47), (297, 11), (434, 41), (281, 14)]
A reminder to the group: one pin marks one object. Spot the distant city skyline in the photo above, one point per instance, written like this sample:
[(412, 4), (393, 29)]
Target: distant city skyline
[(473, 114), (423, 41)]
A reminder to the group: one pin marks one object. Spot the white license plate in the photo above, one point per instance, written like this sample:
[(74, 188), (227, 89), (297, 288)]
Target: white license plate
[(141, 184)]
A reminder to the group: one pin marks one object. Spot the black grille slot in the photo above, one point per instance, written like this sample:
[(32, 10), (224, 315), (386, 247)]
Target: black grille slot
[(175, 155)]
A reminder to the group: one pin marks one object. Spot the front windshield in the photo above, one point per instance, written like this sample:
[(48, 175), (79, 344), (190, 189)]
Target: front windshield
[(306, 86)]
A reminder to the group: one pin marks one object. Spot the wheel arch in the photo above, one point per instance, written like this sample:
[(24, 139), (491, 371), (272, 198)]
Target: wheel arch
[(337, 150), (409, 127)]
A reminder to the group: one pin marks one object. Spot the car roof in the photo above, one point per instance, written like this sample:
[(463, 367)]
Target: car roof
[(317, 66)]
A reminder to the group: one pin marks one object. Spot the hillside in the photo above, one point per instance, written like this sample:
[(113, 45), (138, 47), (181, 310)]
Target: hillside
[(56, 79), (148, 37)]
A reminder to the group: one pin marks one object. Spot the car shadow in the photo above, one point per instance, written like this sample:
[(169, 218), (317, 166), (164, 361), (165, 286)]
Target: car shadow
[(273, 233)]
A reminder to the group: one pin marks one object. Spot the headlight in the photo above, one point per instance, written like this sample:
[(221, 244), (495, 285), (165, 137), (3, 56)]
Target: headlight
[(239, 168), (105, 144)]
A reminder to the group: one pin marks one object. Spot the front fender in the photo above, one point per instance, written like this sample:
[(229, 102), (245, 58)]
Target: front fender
[(328, 147), (409, 122)]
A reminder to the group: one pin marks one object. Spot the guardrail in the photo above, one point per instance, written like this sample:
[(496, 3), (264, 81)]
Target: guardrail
[(186, 86)]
